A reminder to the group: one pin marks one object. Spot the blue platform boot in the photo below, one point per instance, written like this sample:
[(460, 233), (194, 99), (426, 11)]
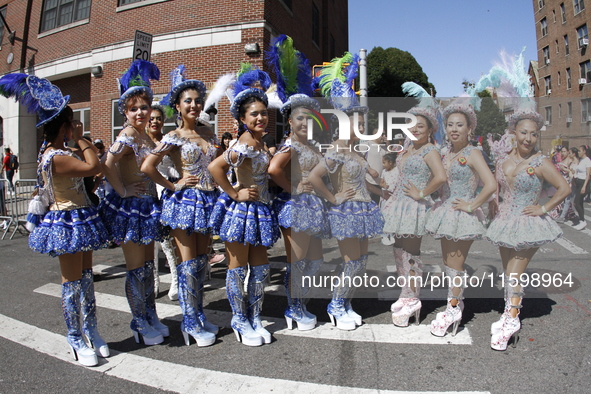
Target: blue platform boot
[(151, 300), (188, 300), (293, 291), (88, 309), (135, 291), (257, 280), (202, 266), (337, 310), (71, 308), (357, 269), (236, 296)]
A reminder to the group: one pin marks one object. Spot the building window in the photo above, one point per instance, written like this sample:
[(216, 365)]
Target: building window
[(548, 84), (579, 5), (546, 52), (554, 16), (548, 115), (541, 3), (586, 70), (57, 13), (281, 124), (566, 50), (125, 2), (315, 24), (585, 110), (83, 116), (559, 78), (569, 110), (559, 111), (563, 12), (544, 27), (568, 79), (3, 12), (557, 47), (582, 36)]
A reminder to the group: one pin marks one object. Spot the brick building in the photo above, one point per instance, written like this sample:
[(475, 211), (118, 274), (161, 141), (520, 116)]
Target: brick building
[(82, 46), (563, 71)]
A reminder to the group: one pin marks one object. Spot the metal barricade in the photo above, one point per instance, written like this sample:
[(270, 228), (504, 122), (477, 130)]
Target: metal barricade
[(18, 205), (5, 215)]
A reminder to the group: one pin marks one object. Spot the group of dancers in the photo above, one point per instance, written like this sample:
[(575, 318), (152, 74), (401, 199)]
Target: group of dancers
[(249, 218)]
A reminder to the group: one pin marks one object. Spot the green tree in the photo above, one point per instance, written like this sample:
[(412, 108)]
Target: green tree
[(388, 69), (490, 120)]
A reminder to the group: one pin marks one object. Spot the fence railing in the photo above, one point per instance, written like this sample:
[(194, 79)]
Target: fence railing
[(14, 205)]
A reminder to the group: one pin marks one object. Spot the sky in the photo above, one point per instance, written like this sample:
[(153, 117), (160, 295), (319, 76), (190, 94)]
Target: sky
[(452, 40)]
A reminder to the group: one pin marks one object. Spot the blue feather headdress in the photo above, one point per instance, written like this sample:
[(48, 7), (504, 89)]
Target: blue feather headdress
[(291, 68), (251, 82), (178, 84), (335, 83), (36, 94), (136, 79)]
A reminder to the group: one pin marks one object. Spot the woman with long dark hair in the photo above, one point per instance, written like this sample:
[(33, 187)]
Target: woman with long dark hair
[(581, 181), (187, 203), (62, 220)]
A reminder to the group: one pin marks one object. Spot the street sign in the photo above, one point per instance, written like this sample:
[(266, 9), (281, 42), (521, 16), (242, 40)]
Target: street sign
[(142, 46)]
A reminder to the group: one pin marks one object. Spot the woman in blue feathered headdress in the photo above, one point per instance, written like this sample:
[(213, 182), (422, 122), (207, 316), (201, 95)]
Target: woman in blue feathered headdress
[(353, 217), (62, 220), (242, 216), (300, 212), (131, 210), (187, 204)]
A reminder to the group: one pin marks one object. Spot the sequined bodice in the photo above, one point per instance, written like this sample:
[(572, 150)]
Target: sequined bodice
[(349, 172), (65, 193), (193, 159), (526, 188), (129, 165), (307, 159), (413, 169), (251, 169), (462, 181)]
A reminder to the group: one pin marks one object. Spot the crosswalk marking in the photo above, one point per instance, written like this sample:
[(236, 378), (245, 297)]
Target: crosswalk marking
[(571, 247), (162, 375), (377, 333)]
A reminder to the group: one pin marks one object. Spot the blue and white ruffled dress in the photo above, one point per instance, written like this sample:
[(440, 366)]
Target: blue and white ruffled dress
[(247, 222), (359, 217), (190, 208), (62, 231), (302, 212), (133, 219)]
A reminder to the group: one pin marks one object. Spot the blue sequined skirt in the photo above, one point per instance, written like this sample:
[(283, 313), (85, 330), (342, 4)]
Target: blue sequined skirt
[(188, 209), (355, 219), (304, 213), (132, 219), (246, 222), (76, 230)]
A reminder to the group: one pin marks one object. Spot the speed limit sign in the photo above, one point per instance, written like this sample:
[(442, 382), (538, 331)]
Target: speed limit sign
[(142, 46)]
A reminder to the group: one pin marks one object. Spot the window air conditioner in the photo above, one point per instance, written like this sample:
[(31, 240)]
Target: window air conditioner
[(582, 81), (583, 42), (549, 91), (588, 118), (569, 120), (547, 123), (547, 61)]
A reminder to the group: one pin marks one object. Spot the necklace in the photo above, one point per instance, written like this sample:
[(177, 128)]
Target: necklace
[(518, 162), (449, 159)]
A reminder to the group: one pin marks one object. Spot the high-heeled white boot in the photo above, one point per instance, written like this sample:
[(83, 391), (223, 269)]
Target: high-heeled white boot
[(168, 249), (399, 256), (336, 308), (452, 314), (257, 279), (507, 326), (293, 290), (153, 319), (71, 309), (236, 296), (189, 303), (135, 291), (88, 310), (411, 304)]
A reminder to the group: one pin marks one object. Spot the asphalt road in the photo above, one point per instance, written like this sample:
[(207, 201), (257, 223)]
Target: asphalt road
[(553, 354)]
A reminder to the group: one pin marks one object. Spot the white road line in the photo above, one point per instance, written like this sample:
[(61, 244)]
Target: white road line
[(571, 247), (163, 375), (381, 333)]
